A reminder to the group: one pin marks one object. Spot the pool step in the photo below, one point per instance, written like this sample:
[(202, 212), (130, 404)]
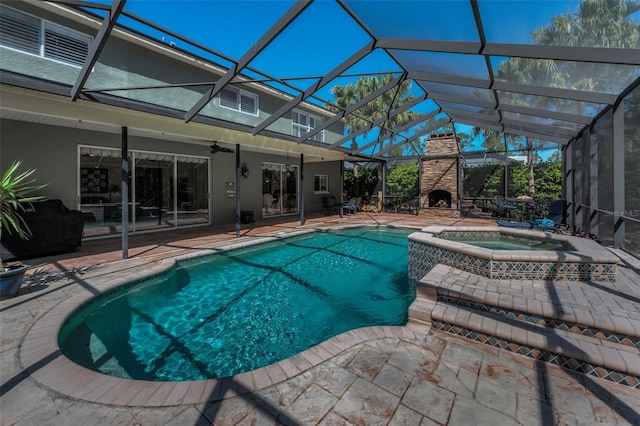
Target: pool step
[(511, 316)]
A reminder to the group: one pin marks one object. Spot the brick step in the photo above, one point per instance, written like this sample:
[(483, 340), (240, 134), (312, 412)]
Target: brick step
[(607, 360), (562, 314), (554, 323)]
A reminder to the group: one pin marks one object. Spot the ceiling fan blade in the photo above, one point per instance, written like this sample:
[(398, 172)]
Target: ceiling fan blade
[(217, 148)]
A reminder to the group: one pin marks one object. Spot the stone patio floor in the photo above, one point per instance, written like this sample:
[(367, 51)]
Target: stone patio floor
[(375, 376)]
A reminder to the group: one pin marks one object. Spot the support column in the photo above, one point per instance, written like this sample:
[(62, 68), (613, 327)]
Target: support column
[(619, 205), (341, 187), (578, 172), (125, 192), (594, 170), (301, 190), (383, 164), (568, 183), (238, 175), (506, 165)]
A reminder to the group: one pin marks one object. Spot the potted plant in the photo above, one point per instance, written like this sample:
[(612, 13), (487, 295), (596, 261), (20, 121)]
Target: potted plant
[(15, 195)]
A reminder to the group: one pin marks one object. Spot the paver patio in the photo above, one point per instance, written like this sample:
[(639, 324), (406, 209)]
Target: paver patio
[(379, 375)]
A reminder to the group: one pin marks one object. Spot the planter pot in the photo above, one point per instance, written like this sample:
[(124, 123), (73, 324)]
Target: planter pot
[(11, 279)]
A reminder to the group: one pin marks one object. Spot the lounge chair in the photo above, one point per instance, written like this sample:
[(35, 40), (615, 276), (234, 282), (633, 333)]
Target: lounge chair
[(555, 218)]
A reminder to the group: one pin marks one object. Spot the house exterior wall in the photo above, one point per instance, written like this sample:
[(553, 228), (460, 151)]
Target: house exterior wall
[(53, 152), (313, 202)]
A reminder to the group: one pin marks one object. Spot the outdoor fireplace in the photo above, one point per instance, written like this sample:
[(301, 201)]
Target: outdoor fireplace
[(440, 199), (440, 176)]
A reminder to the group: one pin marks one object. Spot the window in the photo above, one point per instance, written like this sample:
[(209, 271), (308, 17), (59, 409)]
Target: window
[(30, 34), (304, 122), (320, 184), (239, 100)]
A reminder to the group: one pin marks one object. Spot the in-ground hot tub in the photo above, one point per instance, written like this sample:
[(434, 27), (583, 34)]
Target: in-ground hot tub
[(565, 257)]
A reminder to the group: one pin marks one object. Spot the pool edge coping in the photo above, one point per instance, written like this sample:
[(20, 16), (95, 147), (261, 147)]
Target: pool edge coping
[(584, 250)]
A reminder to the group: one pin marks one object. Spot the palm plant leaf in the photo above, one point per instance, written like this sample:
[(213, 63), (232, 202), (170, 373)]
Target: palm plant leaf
[(15, 194)]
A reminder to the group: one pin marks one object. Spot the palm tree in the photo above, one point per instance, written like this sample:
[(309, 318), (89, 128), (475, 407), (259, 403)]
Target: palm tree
[(345, 96), (597, 23)]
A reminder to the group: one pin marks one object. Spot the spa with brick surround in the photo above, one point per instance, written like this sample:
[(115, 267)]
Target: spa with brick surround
[(582, 259)]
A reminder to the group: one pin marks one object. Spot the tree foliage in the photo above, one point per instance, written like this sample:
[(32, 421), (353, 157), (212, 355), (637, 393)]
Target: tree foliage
[(367, 180), (488, 181), (402, 181)]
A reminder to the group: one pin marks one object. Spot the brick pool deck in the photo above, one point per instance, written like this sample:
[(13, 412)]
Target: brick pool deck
[(377, 375)]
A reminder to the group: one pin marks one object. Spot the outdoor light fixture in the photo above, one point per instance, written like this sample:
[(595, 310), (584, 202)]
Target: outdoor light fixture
[(245, 170)]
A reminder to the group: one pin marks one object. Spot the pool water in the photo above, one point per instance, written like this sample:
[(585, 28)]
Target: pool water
[(244, 309), (512, 243)]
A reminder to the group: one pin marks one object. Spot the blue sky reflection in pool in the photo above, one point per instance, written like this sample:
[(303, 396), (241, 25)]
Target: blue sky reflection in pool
[(245, 309)]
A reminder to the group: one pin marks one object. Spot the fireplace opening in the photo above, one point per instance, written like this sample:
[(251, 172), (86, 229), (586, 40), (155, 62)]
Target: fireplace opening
[(440, 198)]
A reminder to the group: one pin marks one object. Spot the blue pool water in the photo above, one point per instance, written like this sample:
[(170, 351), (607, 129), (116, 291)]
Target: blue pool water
[(244, 309), (512, 243)]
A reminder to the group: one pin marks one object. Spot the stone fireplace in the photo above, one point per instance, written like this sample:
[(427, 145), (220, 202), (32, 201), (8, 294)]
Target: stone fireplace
[(440, 199), (440, 177)]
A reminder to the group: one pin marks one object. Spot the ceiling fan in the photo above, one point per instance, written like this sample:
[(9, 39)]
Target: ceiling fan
[(217, 148)]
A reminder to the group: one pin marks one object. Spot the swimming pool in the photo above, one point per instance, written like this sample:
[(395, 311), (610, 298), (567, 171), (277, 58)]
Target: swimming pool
[(243, 309)]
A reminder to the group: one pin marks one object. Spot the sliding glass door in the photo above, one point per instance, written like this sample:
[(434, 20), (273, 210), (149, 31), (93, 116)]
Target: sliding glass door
[(154, 182), (165, 190), (279, 189), (193, 190)]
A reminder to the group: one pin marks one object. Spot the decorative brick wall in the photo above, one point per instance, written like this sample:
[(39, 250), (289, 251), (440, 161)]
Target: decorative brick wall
[(440, 172)]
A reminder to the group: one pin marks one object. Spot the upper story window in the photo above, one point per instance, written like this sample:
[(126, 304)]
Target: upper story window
[(304, 122), (30, 34), (239, 100)]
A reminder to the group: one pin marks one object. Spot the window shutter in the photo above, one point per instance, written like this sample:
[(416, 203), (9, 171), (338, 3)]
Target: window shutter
[(248, 104), (63, 47), (19, 31), (229, 97)]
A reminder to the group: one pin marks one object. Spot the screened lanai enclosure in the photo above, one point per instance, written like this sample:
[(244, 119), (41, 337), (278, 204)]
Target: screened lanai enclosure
[(516, 84)]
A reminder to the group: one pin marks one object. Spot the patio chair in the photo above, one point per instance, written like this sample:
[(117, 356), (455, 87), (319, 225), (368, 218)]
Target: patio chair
[(556, 218), (557, 214), (329, 205), (267, 202), (414, 206), (505, 209), (537, 207), (351, 206)]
